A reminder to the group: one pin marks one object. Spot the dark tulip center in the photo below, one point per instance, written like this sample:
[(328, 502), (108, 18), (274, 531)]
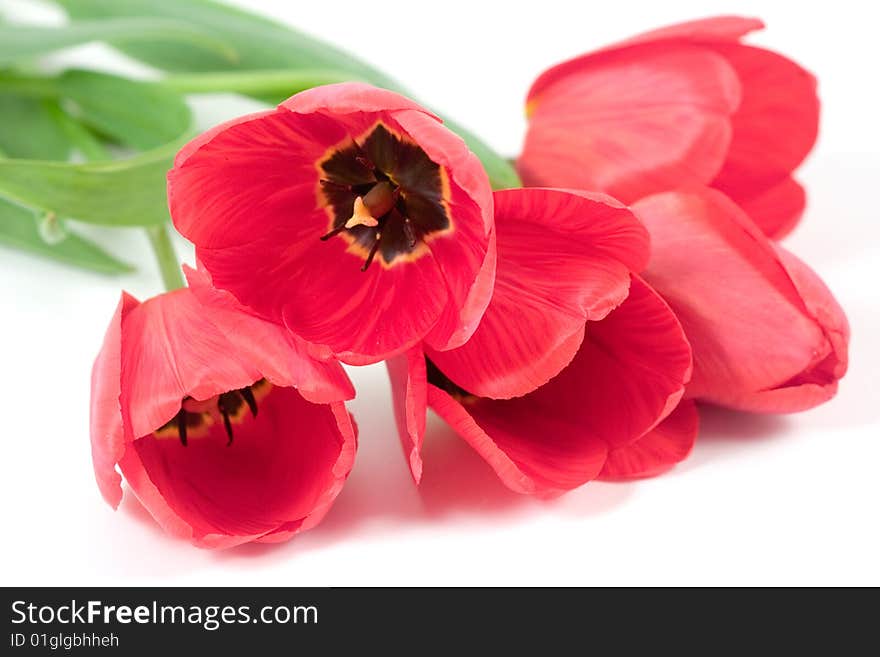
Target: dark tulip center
[(385, 196), (196, 416)]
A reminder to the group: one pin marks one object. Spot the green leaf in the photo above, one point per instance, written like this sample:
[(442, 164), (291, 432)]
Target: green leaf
[(259, 42), (128, 192), (19, 229), (140, 114), (19, 42), (81, 138), (28, 129), (143, 115)]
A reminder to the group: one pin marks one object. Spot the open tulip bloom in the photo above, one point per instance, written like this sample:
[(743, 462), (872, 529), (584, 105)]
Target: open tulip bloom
[(565, 335), (348, 214), (224, 427)]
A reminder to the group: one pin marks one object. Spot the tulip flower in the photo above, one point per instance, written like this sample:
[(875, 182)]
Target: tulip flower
[(223, 425), (576, 369), (348, 214), (677, 107), (767, 334)]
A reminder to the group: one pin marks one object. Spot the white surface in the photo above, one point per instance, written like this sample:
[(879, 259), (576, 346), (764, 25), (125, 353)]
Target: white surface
[(763, 500)]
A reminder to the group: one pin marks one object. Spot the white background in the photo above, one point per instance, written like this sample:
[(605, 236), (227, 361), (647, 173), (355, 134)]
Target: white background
[(763, 500)]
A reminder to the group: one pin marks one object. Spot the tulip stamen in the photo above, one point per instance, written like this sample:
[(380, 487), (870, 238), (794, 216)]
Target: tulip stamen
[(333, 232), (372, 253), (223, 407), (409, 233), (249, 399), (227, 424), (195, 416), (181, 426), (332, 183)]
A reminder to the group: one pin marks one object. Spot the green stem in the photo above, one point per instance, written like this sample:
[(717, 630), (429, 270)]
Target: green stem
[(163, 249), (257, 83)]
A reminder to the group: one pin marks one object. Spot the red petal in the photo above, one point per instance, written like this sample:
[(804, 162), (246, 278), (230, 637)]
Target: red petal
[(777, 120), (170, 350), (363, 317), (776, 209), (531, 452), (341, 470), (628, 375), (713, 29), (817, 383), (751, 326), (776, 123), (251, 177), (657, 451), (105, 418), (466, 257), (284, 466), (409, 394), (206, 137), (278, 354), (350, 97), (631, 121), (563, 259)]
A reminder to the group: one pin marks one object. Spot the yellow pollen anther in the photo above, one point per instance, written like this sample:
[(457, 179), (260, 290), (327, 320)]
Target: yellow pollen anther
[(361, 216)]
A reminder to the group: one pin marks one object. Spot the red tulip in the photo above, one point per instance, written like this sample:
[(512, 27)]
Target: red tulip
[(767, 334), (682, 106), (223, 426), (349, 214), (564, 265)]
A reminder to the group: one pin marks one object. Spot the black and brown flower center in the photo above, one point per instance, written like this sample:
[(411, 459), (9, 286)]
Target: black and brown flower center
[(385, 196), (196, 417)]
